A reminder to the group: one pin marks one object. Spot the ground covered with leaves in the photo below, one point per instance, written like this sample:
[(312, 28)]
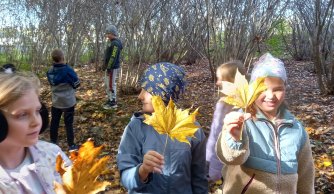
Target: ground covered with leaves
[(106, 126)]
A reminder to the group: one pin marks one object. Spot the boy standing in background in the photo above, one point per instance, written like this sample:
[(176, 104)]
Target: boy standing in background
[(63, 81), (111, 65)]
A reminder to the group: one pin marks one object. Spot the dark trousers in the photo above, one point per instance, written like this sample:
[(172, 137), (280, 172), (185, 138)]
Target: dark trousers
[(68, 120)]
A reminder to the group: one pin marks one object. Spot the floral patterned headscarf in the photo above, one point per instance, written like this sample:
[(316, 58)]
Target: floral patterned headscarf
[(165, 80)]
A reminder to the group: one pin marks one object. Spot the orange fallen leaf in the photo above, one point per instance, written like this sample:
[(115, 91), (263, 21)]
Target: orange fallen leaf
[(82, 176)]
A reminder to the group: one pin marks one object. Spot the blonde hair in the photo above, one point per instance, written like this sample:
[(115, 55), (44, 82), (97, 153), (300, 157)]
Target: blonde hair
[(227, 71), (15, 85)]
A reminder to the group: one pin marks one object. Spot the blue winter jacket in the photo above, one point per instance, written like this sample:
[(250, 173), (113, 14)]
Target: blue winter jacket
[(62, 73), (63, 81), (184, 168)]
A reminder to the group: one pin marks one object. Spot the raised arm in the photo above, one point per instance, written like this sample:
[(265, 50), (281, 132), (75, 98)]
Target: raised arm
[(230, 148)]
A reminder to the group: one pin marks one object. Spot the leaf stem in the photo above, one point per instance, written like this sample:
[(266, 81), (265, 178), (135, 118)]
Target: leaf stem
[(163, 153), (242, 128), (243, 123)]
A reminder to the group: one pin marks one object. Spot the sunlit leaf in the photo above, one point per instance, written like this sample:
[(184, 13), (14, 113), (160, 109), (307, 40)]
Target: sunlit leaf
[(82, 176), (310, 130), (176, 123), (240, 94), (327, 162), (89, 92)]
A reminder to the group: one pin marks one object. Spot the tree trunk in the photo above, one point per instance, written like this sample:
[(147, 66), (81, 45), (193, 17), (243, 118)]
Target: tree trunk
[(318, 65)]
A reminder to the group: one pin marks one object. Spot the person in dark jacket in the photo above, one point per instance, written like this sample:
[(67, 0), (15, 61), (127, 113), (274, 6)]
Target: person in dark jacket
[(63, 81), (111, 65)]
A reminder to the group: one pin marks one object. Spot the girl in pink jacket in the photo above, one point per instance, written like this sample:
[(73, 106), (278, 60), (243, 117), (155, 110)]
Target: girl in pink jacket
[(225, 72), (26, 164)]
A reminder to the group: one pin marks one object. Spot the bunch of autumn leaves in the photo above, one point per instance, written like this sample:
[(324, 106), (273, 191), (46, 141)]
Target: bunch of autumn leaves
[(82, 176)]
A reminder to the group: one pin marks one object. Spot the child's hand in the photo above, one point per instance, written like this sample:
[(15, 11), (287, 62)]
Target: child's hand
[(59, 189), (153, 162), (233, 122)]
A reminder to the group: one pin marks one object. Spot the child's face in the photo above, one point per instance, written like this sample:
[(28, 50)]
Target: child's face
[(146, 100), (110, 36), (270, 100), (24, 120), (219, 78)]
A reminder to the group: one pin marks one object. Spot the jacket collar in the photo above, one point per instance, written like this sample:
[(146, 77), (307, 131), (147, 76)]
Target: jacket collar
[(59, 64), (283, 116), (4, 176), (3, 172), (138, 115)]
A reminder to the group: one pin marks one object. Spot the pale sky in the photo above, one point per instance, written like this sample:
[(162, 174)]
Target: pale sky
[(17, 15)]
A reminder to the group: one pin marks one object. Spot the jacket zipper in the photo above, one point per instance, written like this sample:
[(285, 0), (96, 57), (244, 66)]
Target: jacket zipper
[(278, 157), (277, 153)]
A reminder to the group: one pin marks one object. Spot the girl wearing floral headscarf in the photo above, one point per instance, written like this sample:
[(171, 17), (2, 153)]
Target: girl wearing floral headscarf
[(274, 154), (143, 168)]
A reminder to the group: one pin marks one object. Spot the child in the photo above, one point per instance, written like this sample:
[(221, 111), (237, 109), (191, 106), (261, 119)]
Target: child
[(26, 164), (143, 168), (111, 65), (274, 154), (225, 72), (63, 81)]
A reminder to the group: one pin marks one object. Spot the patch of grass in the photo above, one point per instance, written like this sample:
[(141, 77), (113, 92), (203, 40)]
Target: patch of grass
[(3, 58)]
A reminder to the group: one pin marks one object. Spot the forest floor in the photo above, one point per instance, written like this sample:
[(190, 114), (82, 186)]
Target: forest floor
[(106, 126)]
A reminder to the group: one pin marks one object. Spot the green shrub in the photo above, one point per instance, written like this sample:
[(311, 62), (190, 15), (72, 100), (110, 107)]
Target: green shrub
[(276, 45)]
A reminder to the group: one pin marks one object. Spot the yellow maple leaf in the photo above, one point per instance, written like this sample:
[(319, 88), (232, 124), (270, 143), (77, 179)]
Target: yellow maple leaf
[(82, 176), (176, 123), (240, 94)]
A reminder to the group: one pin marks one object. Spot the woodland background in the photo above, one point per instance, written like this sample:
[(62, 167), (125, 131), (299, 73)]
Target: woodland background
[(197, 34)]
